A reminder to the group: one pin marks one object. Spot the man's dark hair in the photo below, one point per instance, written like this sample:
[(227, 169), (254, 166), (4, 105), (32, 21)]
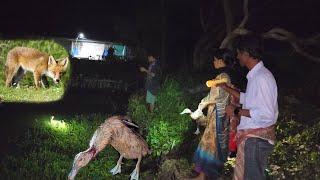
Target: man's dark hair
[(251, 44), (227, 56)]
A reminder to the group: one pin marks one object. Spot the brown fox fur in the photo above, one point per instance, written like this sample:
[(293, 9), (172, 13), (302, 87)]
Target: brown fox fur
[(22, 59)]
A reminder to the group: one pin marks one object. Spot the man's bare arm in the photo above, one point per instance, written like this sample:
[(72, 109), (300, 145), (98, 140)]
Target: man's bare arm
[(230, 110), (244, 112), (142, 69), (230, 90)]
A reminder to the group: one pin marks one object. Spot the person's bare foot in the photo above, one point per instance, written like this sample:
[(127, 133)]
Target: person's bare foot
[(150, 108)]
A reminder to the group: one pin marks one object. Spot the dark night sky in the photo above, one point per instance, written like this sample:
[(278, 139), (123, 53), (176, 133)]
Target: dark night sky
[(63, 18), (105, 20)]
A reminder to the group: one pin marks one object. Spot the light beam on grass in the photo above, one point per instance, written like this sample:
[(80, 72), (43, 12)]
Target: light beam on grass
[(58, 125)]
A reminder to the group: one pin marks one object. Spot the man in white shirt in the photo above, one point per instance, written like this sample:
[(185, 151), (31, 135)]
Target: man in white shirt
[(259, 112)]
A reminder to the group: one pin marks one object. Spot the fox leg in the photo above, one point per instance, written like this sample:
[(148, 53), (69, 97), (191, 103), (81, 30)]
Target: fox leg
[(36, 77), (10, 72), (44, 81), (19, 75)]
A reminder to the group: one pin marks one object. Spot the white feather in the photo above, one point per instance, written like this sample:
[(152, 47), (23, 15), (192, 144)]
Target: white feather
[(193, 115), (196, 114)]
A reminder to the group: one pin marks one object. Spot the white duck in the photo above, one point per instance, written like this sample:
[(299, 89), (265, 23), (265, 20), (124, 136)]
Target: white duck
[(196, 114)]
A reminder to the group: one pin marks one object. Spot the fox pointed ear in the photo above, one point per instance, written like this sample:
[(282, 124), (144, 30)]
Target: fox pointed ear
[(64, 62), (51, 61)]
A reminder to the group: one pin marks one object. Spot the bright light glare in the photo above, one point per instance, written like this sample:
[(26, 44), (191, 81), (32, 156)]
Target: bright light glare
[(81, 36), (58, 124)]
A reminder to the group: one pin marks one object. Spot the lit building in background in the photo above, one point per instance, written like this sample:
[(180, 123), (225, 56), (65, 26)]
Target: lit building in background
[(97, 50)]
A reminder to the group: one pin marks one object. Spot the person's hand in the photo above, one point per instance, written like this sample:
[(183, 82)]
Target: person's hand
[(142, 69), (234, 122), (230, 110)]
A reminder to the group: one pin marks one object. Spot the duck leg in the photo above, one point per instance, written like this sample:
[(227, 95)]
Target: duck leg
[(117, 168), (135, 173), (197, 131)]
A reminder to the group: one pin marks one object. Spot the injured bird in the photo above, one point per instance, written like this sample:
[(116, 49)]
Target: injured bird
[(118, 132)]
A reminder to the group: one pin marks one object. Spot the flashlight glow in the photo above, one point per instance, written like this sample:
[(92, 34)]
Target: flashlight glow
[(56, 124)]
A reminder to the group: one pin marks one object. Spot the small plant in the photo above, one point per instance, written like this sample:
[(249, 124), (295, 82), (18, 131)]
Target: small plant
[(165, 127)]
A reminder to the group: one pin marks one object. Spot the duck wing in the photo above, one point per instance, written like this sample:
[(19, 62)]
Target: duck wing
[(128, 122)]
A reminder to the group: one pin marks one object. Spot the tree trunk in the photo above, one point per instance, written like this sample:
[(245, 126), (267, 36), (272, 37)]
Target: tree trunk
[(197, 61), (163, 32), (228, 15), (240, 30), (204, 44)]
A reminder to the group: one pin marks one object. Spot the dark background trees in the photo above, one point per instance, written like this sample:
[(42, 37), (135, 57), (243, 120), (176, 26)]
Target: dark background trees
[(182, 32)]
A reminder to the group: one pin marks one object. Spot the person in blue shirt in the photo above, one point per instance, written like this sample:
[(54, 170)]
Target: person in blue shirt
[(152, 80)]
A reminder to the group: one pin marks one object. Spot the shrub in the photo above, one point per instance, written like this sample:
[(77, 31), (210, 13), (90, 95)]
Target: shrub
[(165, 127), (296, 153)]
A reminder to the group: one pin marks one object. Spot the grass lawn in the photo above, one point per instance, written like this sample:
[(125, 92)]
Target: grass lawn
[(30, 94)]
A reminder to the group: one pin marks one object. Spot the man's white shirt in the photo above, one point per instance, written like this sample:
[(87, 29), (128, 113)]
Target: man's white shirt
[(260, 99)]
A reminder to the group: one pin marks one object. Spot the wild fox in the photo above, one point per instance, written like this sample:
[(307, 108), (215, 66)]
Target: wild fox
[(22, 59)]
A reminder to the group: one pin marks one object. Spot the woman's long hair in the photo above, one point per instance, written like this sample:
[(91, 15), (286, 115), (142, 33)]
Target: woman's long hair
[(233, 68), (227, 56)]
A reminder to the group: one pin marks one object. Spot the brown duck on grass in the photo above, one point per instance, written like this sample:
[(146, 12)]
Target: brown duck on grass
[(115, 131)]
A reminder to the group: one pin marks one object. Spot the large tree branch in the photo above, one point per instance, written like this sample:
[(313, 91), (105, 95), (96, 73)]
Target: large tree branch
[(246, 14), (204, 24), (305, 54), (240, 30), (228, 15), (299, 45), (311, 41), (286, 36), (235, 33), (275, 33)]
